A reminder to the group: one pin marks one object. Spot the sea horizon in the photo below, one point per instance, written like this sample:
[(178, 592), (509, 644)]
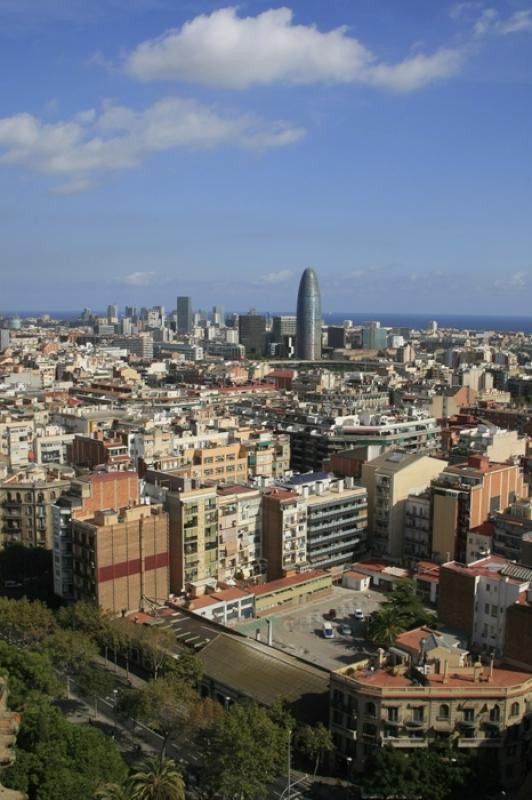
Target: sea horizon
[(415, 320)]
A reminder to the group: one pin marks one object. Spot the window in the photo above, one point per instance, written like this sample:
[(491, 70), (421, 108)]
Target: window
[(393, 714), (514, 710), (418, 714), (469, 715), (495, 504), (443, 712), (371, 710), (495, 714), (486, 608)]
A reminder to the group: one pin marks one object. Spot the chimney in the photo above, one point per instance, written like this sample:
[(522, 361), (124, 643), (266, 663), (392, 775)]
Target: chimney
[(479, 462)]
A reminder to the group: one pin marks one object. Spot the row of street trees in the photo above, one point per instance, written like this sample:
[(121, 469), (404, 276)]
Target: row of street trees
[(241, 749)]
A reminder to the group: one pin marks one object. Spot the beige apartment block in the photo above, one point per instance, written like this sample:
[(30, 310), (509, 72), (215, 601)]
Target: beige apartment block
[(239, 532), (463, 706), (389, 480), (121, 558), (220, 463), (26, 509), (193, 536)]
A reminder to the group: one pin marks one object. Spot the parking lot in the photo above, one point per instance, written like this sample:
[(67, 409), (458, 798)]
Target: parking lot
[(300, 631)]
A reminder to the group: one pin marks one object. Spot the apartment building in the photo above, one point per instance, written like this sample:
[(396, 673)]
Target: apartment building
[(475, 598), (26, 501), (121, 558), (337, 518), (268, 454), (239, 533), (509, 528), (464, 496), (219, 463), (16, 440), (85, 496), (417, 531), (389, 480), (284, 531), (410, 705), (100, 450), (517, 638), (193, 513)]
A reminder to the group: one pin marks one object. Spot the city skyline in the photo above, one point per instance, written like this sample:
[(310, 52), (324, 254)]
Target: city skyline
[(386, 147)]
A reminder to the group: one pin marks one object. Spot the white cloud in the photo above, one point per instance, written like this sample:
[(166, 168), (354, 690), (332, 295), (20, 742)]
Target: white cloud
[(518, 280), (490, 23), (138, 278), (91, 144), (272, 278), (224, 50)]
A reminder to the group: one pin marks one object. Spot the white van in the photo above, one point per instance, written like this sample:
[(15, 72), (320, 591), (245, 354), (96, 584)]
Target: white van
[(328, 630)]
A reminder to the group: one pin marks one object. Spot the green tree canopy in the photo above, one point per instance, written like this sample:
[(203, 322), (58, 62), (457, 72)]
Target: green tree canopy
[(314, 742), (28, 674), (245, 750), (56, 759), (428, 775), (166, 704), (402, 611), (28, 623)]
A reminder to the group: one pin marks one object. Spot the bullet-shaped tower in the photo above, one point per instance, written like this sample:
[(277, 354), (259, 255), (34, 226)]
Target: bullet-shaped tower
[(308, 331)]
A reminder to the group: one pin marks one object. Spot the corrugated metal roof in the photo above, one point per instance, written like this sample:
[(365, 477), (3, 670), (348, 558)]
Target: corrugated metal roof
[(254, 670), (517, 571)]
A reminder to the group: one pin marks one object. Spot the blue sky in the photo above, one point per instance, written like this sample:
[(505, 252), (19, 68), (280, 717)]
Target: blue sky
[(150, 148)]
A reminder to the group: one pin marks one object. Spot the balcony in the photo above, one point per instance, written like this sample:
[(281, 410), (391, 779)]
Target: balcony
[(404, 741), (417, 724)]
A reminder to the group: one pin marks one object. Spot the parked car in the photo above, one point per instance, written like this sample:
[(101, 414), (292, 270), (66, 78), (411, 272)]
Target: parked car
[(328, 630), (345, 630), (359, 614)]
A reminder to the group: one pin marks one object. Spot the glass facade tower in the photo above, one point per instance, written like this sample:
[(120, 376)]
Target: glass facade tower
[(308, 332)]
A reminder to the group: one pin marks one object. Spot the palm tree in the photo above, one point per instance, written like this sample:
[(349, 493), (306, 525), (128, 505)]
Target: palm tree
[(157, 779), (385, 626), (112, 791)]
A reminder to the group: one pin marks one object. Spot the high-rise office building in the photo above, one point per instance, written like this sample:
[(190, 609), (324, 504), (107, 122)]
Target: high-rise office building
[(308, 337), (184, 315), (112, 314), (218, 316), (252, 332)]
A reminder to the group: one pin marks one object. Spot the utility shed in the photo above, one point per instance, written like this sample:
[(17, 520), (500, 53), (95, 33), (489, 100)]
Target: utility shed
[(236, 668)]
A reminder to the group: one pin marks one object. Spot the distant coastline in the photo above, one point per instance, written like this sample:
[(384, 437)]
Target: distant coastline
[(481, 322)]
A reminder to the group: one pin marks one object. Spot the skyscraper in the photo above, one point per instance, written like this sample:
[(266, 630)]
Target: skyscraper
[(308, 332), (184, 315)]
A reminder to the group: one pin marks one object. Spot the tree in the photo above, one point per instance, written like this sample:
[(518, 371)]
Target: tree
[(385, 625), (94, 683), (157, 779), (314, 742), (28, 623), (245, 750), (402, 611), (71, 651), (56, 759), (86, 618), (186, 666), (166, 705), (427, 775), (29, 674), (112, 791)]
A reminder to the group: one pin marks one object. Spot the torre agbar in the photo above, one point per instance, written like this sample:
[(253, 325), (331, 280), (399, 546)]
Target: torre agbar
[(308, 332)]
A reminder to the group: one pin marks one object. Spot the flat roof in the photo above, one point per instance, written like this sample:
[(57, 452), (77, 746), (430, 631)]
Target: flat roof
[(285, 583)]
